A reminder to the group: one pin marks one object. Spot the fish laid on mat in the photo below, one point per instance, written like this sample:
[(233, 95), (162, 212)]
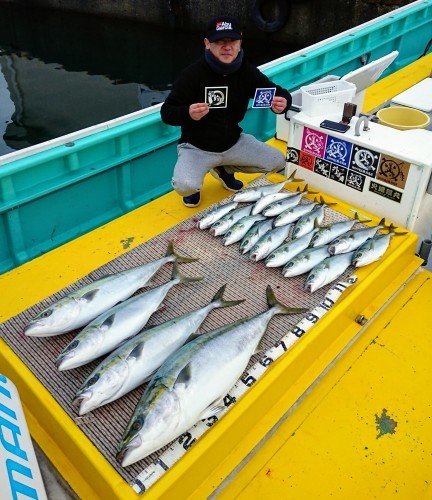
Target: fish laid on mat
[(81, 306), (305, 261), (119, 323), (277, 207), (353, 239), (288, 251), (221, 226), (191, 384), (373, 249), (210, 218), (239, 229), (293, 214), (254, 234), (269, 242), (256, 192), (329, 233), (135, 361), (260, 205), (306, 223), (328, 270)]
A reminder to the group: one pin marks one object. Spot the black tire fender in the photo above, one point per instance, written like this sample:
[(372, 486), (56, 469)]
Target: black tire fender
[(274, 25)]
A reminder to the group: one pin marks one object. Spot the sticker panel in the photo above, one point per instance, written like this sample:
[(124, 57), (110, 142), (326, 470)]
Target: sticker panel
[(338, 151), (263, 97), (355, 180), (364, 161), (314, 142), (393, 171), (385, 191), (306, 160), (338, 173), (293, 155), (322, 167), (216, 97)]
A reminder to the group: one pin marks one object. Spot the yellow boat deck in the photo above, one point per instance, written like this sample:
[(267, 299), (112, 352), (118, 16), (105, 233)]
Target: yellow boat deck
[(361, 430)]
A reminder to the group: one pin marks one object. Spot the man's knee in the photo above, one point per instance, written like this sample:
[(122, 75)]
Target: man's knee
[(185, 187)]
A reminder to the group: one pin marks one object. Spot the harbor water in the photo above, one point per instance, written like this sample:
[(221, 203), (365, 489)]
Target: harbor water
[(62, 71)]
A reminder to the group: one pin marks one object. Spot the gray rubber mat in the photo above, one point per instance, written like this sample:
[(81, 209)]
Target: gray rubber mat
[(218, 264)]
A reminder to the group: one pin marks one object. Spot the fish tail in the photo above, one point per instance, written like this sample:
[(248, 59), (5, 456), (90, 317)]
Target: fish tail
[(218, 298), (178, 257), (306, 190), (323, 202), (292, 177), (392, 229), (357, 217), (281, 308), (176, 275)]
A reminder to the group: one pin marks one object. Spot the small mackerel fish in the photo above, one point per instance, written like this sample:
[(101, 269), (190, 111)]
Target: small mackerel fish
[(277, 207), (305, 261), (269, 242), (192, 383), (373, 249), (240, 228), (254, 234), (293, 214), (81, 306), (353, 239), (306, 223), (328, 270), (221, 226), (116, 325), (207, 220), (288, 251), (257, 192), (329, 233), (261, 204), (135, 361)]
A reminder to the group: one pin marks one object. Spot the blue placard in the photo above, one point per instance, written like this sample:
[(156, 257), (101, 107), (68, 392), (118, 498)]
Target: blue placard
[(263, 97)]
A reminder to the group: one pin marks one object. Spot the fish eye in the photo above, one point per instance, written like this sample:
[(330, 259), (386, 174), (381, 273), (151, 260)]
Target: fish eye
[(72, 345), (137, 425), (290, 264), (93, 380), (45, 314)]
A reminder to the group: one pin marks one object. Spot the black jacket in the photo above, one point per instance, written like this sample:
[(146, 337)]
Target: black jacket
[(219, 130)]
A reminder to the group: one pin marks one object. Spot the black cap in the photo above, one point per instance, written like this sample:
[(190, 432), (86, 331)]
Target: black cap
[(223, 27)]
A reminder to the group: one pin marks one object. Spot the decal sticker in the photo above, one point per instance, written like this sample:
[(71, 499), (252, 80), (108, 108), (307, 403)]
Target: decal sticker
[(393, 171), (216, 97), (263, 97), (306, 160), (322, 167), (293, 155), (355, 180), (314, 142), (385, 191), (338, 173), (364, 161), (338, 151)]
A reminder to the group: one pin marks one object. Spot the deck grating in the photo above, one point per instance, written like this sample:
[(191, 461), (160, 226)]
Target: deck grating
[(218, 264)]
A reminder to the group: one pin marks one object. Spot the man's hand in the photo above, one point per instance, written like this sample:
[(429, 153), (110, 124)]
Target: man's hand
[(278, 104), (198, 110)]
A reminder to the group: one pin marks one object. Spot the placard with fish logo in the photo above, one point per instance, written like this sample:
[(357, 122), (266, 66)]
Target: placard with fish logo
[(364, 161), (216, 97), (393, 171), (306, 160), (314, 142), (338, 151), (385, 191), (355, 180), (263, 97), (293, 155)]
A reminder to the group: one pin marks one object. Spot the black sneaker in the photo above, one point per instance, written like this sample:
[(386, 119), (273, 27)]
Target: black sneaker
[(227, 180), (192, 200)]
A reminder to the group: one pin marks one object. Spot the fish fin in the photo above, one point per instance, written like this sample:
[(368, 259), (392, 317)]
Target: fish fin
[(109, 321), (89, 296), (225, 303), (194, 335), (261, 347), (184, 376), (183, 279), (273, 302), (292, 177), (179, 258), (136, 351), (357, 217), (323, 202), (316, 223), (213, 409)]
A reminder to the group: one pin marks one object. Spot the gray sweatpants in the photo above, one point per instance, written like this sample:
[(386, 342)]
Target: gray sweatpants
[(247, 155)]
